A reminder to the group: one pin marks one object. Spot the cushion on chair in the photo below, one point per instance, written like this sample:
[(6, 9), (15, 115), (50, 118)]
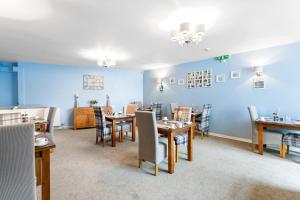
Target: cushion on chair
[(126, 126), (292, 139), (181, 139)]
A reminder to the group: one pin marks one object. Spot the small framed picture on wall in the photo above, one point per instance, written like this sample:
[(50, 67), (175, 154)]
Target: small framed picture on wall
[(235, 74), (181, 81), (259, 83), (220, 78)]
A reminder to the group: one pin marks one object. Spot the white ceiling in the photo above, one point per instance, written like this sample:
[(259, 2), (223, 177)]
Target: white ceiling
[(58, 31)]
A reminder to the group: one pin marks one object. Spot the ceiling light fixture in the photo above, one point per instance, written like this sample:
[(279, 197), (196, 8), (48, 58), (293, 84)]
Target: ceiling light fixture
[(188, 35), (107, 62)]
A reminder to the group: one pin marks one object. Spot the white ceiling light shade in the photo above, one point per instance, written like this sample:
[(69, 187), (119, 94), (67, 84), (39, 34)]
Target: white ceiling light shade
[(25, 10), (186, 35), (105, 57)]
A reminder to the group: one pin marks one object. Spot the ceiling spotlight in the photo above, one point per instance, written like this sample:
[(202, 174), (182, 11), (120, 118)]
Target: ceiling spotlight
[(106, 62)]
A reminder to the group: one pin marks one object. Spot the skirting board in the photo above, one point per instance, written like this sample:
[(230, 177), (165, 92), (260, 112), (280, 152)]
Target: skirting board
[(220, 135)]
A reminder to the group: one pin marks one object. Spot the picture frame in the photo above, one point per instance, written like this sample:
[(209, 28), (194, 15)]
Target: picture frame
[(220, 78), (172, 80), (235, 74), (93, 82), (258, 83), (181, 81)]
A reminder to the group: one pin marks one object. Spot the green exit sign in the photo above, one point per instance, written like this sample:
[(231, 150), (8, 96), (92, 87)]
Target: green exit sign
[(223, 58)]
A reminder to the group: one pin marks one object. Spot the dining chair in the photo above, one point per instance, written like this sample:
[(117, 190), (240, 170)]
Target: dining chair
[(151, 147), (107, 110), (50, 123), (102, 129), (130, 109), (271, 136), (17, 168), (182, 114), (290, 138), (157, 108), (202, 122), (172, 109)]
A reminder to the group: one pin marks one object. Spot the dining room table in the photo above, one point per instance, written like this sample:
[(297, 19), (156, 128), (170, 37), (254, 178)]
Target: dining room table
[(170, 129), (121, 118), (271, 124)]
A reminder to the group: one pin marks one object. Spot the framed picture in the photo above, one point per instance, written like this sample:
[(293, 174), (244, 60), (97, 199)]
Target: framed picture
[(235, 74), (259, 83), (172, 80), (93, 82), (181, 82), (220, 78)]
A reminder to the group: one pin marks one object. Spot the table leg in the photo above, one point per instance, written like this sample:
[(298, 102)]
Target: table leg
[(113, 135), (46, 175), (190, 144), (260, 139), (133, 129), (171, 152), (44, 127)]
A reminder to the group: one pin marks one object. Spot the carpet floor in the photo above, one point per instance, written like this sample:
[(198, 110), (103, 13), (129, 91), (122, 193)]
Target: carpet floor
[(221, 169)]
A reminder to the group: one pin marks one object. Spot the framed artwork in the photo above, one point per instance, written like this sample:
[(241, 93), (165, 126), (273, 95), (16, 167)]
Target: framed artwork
[(220, 78), (235, 74), (259, 83), (93, 82), (181, 82), (199, 79), (172, 80)]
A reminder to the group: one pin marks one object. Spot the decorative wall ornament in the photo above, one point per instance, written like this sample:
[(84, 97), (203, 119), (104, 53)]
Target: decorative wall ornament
[(220, 78), (172, 80), (235, 74), (199, 79), (181, 81), (161, 86), (93, 82)]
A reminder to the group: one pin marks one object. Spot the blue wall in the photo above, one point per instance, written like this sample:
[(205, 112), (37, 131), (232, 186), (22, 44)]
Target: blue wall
[(55, 85), (8, 85), (230, 99)]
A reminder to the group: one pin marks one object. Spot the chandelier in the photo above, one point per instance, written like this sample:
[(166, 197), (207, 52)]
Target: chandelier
[(106, 62), (187, 36)]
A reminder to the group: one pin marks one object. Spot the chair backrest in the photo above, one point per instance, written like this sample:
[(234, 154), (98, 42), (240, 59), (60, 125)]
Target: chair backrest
[(206, 111), (131, 108), (172, 107), (157, 108), (148, 135), (17, 169), (50, 119), (100, 118), (253, 116), (107, 110), (138, 103), (183, 114)]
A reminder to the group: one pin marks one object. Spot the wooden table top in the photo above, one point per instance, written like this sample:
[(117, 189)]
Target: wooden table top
[(163, 127), (119, 117), (50, 145)]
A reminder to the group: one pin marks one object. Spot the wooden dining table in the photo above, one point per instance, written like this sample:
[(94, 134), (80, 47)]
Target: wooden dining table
[(114, 119), (283, 125), (168, 131), (42, 168)]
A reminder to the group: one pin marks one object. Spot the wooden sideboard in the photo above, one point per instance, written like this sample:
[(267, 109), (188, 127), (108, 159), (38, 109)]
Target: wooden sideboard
[(84, 117)]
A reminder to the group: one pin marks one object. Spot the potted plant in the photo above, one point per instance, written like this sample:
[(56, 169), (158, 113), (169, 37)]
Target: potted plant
[(93, 102)]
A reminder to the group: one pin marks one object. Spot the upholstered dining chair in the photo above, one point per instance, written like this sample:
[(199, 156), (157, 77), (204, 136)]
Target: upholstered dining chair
[(172, 109), (291, 138), (50, 123), (151, 147), (17, 168), (271, 136), (103, 130), (107, 110), (181, 114), (202, 122), (129, 109), (157, 108)]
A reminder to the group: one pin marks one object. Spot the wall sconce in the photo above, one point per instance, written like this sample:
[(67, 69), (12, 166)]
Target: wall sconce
[(161, 86), (258, 71)]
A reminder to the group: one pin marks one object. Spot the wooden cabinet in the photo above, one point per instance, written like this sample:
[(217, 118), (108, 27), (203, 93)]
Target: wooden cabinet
[(84, 118)]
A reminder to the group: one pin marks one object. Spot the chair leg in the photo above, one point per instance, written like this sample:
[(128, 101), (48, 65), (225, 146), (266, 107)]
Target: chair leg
[(288, 149), (103, 142), (176, 153), (207, 133), (156, 169), (253, 147), (97, 138), (140, 163)]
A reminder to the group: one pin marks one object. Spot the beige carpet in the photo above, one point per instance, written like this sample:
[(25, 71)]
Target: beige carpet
[(221, 169)]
